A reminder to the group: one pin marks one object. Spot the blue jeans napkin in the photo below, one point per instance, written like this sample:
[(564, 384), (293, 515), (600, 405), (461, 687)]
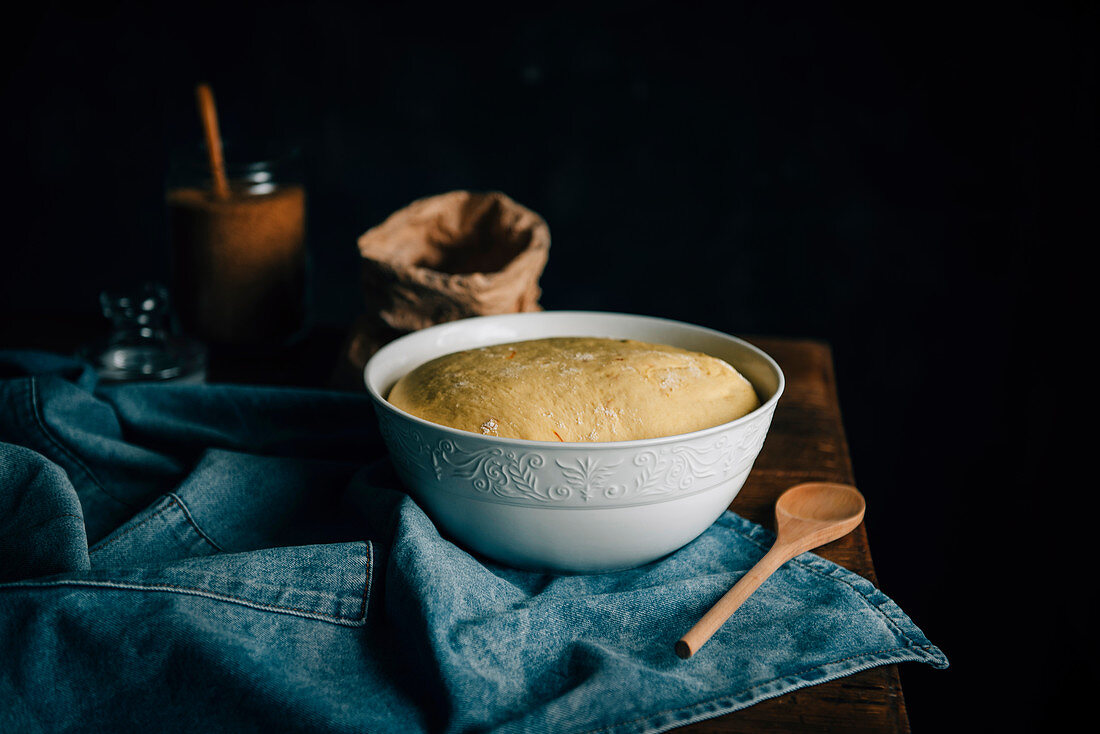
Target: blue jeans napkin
[(179, 558)]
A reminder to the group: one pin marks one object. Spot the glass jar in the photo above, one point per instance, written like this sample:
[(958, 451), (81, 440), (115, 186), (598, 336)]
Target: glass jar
[(143, 345), (239, 261)]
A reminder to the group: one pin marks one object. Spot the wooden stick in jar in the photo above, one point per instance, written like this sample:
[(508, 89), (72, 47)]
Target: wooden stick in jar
[(209, 115)]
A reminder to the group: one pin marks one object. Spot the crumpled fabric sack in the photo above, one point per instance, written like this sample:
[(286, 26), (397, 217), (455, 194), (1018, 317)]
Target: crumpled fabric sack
[(445, 258), (234, 558)]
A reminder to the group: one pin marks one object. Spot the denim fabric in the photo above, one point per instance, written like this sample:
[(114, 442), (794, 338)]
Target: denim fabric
[(229, 558)]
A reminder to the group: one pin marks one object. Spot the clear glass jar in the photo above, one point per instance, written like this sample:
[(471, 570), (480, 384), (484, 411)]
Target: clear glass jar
[(143, 344)]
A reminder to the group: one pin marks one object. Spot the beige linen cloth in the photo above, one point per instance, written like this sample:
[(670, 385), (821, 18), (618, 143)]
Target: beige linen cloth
[(440, 259)]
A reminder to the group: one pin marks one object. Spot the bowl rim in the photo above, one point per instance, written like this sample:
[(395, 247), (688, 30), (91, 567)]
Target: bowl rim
[(765, 407)]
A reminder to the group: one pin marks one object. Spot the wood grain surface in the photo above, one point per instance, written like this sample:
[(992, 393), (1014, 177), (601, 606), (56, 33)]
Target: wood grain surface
[(806, 443)]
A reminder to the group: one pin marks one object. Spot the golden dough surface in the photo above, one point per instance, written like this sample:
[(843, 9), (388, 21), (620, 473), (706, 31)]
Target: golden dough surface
[(576, 389)]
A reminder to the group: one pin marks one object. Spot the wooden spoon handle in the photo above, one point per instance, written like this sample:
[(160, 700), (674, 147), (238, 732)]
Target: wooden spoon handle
[(208, 113), (705, 628)]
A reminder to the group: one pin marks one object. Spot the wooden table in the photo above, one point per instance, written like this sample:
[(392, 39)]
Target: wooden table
[(806, 443)]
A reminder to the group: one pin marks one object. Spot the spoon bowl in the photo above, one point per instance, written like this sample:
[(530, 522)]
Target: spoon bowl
[(813, 514), (823, 501)]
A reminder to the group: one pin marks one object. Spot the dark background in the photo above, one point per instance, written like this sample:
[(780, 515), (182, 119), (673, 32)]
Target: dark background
[(908, 182)]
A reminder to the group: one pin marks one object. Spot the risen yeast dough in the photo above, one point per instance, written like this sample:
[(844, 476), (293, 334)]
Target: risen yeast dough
[(576, 389)]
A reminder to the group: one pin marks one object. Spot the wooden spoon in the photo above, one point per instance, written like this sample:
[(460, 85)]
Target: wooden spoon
[(807, 516), (208, 113)]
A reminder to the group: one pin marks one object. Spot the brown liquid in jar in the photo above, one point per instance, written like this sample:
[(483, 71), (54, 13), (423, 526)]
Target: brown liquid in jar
[(239, 264)]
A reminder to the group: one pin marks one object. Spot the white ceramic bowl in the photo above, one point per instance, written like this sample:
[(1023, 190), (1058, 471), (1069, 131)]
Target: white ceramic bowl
[(574, 507)]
